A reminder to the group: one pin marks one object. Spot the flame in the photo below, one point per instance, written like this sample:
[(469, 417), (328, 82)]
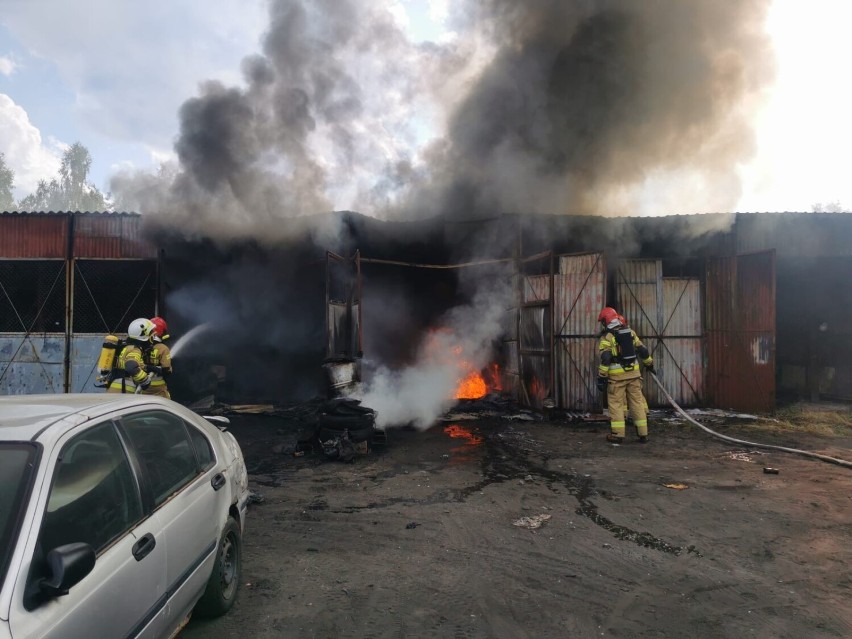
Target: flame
[(472, 383), (457, 431), (472, 387), (537, 389)]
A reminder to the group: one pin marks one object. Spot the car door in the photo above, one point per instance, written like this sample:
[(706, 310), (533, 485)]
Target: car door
[(93, 496), (180, 466)]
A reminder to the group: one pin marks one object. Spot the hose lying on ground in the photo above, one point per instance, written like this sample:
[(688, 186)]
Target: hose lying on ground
[(825, 458)]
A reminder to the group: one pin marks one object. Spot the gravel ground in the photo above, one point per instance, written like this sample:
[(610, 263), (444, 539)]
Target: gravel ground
[(422, 538)]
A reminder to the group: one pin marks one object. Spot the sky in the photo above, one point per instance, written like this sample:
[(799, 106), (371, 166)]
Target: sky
[(118, 83)]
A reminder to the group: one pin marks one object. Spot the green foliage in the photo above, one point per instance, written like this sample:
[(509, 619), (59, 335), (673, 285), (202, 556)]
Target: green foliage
[(70, 191), (7, 183)]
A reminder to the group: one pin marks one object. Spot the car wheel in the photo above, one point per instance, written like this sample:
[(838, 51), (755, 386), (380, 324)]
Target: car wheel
[(224, 583)]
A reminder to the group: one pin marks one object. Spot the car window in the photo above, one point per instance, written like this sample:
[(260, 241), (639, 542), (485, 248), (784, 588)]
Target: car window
[(17, 463), (93, 496), (164, 449), (203, 450)]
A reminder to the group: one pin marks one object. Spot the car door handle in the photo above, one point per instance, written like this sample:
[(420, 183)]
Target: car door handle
[(218, 481), (144, 546)]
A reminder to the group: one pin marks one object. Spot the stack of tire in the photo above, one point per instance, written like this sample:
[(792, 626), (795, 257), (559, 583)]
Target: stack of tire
[(345, 414)]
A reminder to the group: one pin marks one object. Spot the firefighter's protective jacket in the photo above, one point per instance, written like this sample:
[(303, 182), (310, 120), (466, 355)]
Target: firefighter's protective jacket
[(610, 360), (131, 360), (161, 356)]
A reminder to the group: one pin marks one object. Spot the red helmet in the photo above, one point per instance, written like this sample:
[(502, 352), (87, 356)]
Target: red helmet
[(607, 315), (160, 328)]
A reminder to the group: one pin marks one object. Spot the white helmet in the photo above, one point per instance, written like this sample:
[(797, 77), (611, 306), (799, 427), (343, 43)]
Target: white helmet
[(140, 329)]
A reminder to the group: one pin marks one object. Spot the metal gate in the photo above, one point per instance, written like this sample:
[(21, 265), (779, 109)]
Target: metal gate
[(106, 296), (741, 331), (33, 322), (579, 295), (55, 313), (666, 313), (535, 330)]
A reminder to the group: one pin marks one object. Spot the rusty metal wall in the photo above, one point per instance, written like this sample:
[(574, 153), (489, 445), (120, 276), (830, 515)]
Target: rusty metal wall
[(740, 323), (33, 236), (96, 235), (110, 235), (31, 363), (579, 292)]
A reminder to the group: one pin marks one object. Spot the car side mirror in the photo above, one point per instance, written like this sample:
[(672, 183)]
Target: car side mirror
[(217, 419), (68, 565)]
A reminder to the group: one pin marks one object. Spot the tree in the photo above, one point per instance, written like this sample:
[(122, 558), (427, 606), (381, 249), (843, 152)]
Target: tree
[(7, 183), (70, 192), (829, 207)]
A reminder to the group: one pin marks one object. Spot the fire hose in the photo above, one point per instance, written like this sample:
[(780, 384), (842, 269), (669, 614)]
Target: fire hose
[(796, 451)]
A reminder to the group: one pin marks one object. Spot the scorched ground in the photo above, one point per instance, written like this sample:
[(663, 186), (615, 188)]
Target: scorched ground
[(419, 540)]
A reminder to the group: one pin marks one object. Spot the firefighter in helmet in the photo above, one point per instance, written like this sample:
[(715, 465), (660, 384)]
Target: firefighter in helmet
[(160, 360), (619, 375), (132, 359)]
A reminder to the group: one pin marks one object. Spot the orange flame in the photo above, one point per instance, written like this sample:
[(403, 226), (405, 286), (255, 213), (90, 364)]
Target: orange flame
[(537, 389), (472, 387), (457, 431)]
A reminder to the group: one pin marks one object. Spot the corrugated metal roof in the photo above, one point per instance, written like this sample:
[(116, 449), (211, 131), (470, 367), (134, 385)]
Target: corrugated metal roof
[(65, 213)]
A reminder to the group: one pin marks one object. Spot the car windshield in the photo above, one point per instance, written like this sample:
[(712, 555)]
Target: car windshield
[(17, 463)]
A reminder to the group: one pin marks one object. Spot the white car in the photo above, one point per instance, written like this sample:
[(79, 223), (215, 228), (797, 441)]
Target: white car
[(120, 515)]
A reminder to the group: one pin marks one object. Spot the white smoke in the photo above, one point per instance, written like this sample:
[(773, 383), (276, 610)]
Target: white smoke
[(418, 394)]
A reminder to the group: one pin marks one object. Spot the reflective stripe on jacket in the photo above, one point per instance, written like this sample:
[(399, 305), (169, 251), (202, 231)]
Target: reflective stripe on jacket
[(609, 364), (160, 356), (130, 353)]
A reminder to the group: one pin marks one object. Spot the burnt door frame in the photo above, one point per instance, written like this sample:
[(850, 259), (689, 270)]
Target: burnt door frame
[(344, 295), (528, 352)]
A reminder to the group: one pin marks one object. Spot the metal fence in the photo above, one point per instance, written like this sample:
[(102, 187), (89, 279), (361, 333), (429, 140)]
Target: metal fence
[(54, 314)]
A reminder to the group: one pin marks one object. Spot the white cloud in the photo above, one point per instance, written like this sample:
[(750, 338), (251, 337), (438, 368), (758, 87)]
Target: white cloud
[(131, 65), (7, 65), (25, 151)]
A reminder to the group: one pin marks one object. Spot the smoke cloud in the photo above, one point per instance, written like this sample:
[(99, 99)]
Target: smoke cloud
[(611, 107), (419, 393)]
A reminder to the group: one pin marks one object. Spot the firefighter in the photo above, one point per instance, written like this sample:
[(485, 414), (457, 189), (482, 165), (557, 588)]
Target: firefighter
[(131, 367), (160, 360), (619, 375)]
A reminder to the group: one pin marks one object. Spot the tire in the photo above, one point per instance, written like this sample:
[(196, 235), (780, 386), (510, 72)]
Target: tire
[(355, 435), (224, 583)]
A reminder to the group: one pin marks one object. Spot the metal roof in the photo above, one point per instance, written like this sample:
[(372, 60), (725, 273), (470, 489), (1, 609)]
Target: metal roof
[(78, 213)]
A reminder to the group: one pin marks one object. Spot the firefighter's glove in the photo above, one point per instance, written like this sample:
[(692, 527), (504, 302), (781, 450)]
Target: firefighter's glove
[(145, 383), (156, 370), (602, 382)]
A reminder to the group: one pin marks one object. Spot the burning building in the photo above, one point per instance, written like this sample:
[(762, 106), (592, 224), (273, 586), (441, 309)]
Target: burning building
[(737, 309)]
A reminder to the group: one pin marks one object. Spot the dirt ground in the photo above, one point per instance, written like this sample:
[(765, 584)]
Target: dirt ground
[(419, 539)]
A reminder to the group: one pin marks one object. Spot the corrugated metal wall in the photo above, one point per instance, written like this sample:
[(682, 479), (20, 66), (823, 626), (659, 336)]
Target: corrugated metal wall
[(740, 321), (579, 293), (666, 314), (39, 236)]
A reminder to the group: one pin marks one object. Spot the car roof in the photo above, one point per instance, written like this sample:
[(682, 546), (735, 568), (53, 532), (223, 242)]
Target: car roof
[(22, 417)]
